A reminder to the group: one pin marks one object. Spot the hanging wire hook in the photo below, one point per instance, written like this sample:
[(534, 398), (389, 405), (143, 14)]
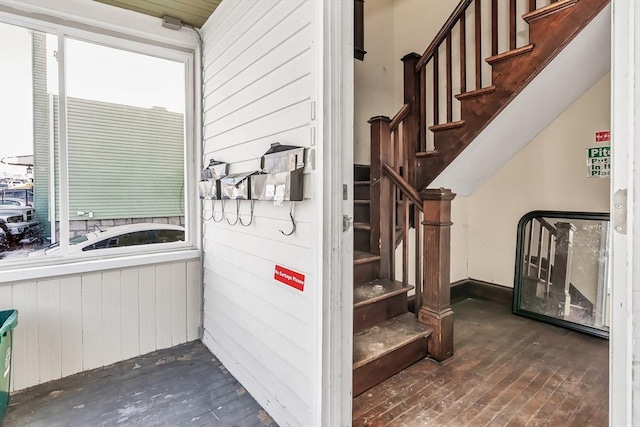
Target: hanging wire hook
[(203, 211), (293, 222), (251, 221), (213, 204), (237, 213)]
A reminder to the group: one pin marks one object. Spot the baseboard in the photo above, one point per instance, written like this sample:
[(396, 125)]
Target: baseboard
[(474, 288)]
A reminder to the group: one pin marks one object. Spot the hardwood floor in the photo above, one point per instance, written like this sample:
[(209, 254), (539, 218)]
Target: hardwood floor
[(181, 386), (506, 371)]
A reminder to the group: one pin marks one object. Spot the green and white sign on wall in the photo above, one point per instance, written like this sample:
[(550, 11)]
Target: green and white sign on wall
[(599, 162)]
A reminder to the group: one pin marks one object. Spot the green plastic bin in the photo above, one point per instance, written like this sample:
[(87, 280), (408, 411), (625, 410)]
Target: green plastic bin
[(8, 321)]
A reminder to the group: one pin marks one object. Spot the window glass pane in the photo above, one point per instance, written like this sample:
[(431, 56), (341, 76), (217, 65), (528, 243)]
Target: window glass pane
[(126, 139), (28, 85)]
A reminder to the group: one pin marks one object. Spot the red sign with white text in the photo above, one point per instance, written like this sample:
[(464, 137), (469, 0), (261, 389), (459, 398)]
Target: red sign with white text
[(289, 277), (604, 136)]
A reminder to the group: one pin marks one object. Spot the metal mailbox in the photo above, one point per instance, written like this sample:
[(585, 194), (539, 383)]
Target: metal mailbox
[(204, 188), (209, 189), (282, 158), (282, 186), (237, 186), (282, 177), (218, 169)]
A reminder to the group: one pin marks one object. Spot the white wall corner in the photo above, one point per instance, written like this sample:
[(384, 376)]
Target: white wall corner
[(624, 360), (336, 135)]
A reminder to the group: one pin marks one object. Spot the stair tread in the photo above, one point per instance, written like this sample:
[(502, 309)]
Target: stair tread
[(362, 202), (510, 54), (446, 126), (361, 182), (385, 337), (361, 257), (377, 290), (427, 153), (475, 93), (361, 226), (548, 10)]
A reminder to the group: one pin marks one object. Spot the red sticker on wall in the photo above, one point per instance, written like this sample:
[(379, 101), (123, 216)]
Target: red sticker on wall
[(289, 277), (604, 136)]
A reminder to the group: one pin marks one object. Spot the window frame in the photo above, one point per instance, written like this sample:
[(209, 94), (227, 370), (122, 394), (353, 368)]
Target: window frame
[(34, 267)]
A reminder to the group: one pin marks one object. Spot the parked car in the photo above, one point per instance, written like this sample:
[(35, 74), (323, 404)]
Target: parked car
[(123, 235), (15, 193), (21, 223), (3, 238), (13, 201)]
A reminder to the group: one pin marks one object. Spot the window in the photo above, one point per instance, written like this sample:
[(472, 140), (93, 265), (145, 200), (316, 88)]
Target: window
[(93, 136)]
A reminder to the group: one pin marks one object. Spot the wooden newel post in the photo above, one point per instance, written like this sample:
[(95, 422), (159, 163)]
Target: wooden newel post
[(436, 310), (381, 193)]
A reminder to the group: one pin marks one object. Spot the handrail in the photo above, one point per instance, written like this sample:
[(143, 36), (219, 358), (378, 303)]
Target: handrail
[(403, 185), (399, 117), (439, 38), (552, 229)]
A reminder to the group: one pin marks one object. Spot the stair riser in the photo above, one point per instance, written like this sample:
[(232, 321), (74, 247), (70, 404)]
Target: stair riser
[(365, 272), (368, 315), (539, 28), (380, 369), (361, 213), (361, 240), (444, 139), (361, 192), (361, 172), (473, 110)]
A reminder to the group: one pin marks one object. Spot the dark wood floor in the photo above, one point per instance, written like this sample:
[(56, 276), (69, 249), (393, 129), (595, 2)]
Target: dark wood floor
[(181, 386), (506, 371)]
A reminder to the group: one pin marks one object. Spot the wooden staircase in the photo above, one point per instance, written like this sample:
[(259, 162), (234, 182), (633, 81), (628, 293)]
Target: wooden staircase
[(393, 194), (551, 28), (387, 337)]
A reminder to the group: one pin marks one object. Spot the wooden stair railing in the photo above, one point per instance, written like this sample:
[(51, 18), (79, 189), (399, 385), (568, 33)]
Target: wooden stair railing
[(450, 93), (432, 221)]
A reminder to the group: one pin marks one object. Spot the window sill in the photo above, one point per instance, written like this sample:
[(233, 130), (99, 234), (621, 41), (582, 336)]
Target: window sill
[(70, 267)]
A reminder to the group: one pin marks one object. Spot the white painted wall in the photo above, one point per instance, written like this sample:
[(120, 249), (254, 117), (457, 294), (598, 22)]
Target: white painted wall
[(70, 324), (392, 29), (261, 80), (374, 92), (549, 173)]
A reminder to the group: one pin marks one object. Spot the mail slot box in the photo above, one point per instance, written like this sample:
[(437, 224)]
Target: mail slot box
[(282, 158), (218, 169), (283, 186), (236, 186), (204, 188)]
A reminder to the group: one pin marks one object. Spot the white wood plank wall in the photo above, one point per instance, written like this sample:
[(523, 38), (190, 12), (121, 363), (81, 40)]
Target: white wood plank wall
[(261, 88), (76, 323)]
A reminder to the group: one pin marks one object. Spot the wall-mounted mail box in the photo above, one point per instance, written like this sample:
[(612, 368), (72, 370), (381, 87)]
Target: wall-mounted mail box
[(204, 188), (283, 186), (218, 169), (209, 189), (236, 186), (282, 158)]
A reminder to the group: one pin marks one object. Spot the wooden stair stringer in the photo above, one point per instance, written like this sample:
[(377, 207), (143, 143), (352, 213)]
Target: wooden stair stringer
[(549, 34)]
